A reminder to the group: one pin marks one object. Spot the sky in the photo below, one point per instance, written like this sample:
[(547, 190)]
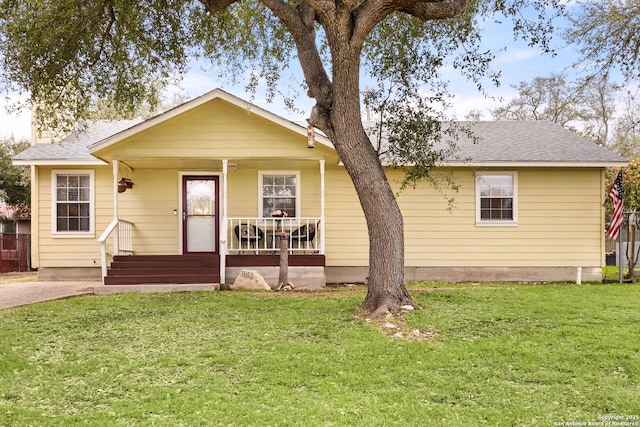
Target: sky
[(517, 63)]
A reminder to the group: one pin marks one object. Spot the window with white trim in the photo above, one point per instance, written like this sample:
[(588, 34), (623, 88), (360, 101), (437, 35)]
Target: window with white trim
[(497, 198), (72, 203), (279, 190)]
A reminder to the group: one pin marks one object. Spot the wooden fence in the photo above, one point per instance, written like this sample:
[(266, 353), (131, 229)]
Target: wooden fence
[(15, 252)]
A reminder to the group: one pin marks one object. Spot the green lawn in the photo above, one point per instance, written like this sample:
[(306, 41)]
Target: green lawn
[(6, 278), (507, 355)]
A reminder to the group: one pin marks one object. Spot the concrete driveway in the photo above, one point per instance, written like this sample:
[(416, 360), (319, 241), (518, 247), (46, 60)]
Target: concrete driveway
[(23, 293), (13, 294)]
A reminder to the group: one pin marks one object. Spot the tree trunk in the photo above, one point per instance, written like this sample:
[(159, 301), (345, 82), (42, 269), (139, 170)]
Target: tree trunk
[(386, 289)]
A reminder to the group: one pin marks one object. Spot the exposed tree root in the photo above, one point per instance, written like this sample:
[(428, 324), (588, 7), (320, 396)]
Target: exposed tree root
[(388, 305), (394, 326)]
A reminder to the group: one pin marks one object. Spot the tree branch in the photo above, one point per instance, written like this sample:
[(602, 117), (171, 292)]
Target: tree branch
[(433, 9), (214, 6), (105, 35), (301, 24), (372, 12)]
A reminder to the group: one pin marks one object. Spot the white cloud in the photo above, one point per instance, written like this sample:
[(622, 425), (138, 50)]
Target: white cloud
[(16, 124), (512, 57)]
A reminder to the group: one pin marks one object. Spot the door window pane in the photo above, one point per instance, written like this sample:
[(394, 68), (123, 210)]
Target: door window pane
[(200, 197)]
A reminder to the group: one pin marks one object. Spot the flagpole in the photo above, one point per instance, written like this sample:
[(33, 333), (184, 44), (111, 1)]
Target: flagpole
[(620, 252)]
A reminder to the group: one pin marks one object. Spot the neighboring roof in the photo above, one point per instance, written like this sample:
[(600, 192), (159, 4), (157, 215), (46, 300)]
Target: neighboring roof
[(72, 150), (13, 212)]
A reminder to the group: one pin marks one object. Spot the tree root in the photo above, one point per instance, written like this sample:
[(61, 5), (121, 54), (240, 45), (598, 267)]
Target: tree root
[(389, 305), (393, 325)]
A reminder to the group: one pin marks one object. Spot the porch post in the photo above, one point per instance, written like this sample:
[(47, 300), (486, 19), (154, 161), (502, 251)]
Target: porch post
[(223, 223), (116, 235), (322, 221)]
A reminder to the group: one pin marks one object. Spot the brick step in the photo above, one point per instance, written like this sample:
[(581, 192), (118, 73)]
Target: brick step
[(166, 279)]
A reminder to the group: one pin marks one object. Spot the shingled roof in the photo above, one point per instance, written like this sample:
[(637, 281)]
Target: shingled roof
[(528, 143), (497, 143), (73, 150)]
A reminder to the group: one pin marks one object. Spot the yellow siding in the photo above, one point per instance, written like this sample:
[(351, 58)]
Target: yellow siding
[(559, 223), (242, 189), (150, 205), (215, 130), (72, 252), (347, 241)]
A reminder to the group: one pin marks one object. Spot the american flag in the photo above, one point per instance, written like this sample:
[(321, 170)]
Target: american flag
[(616, 195)]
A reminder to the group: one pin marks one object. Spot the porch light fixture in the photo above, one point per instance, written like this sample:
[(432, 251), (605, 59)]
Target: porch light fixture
[(311, 136), (123, 184)]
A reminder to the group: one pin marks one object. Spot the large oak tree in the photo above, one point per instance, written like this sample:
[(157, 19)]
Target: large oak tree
[(67, 54)]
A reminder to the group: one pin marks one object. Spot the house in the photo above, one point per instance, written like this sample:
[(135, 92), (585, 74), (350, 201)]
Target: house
[(188, 196)]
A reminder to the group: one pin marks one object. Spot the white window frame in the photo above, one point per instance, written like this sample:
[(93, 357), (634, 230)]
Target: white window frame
[(262, 174), (497, 223), (54, 204)]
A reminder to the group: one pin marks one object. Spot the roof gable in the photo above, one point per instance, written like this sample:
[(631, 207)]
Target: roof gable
[(198, 102)]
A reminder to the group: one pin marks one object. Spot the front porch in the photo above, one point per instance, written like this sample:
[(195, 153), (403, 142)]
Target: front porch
[(222, 209), (257, 249)]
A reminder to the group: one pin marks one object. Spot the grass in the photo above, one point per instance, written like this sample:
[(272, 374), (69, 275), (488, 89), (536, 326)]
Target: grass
[(514, 355), (7, 278)]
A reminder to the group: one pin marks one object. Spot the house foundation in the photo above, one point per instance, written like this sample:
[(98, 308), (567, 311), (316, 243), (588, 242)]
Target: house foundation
[(473, 274), (307, 277), (69, 274)]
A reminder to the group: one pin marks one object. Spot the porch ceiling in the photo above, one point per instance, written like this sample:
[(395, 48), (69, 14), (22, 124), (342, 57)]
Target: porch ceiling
[(216, 164), (202, 164)]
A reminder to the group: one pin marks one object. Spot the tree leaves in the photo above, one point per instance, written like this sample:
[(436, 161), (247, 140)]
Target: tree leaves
[(68, 54), (607, 32), (14, 180)]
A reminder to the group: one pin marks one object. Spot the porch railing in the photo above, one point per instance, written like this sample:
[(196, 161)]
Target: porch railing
[(262, 235), (122, 241)]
